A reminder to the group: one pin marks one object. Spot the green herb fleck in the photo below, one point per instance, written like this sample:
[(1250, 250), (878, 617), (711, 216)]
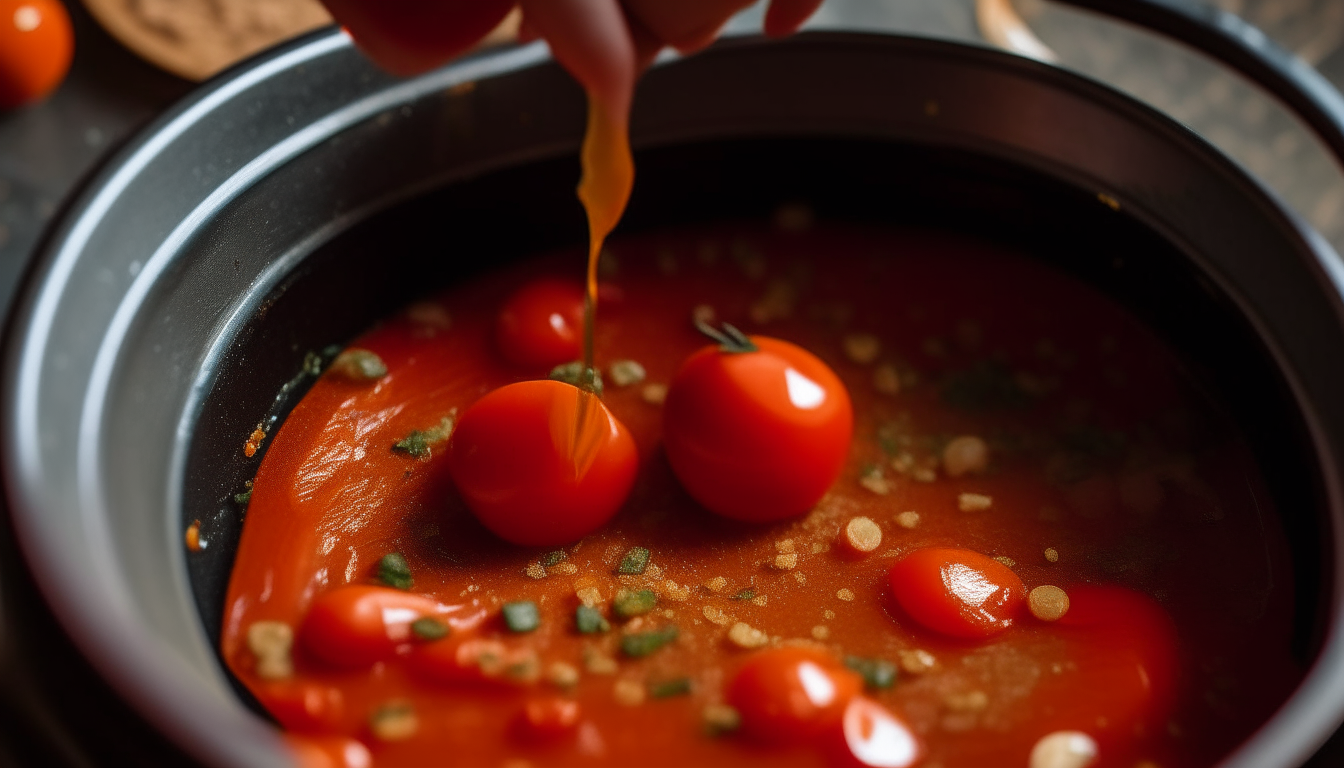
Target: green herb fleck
[(429, 628), (986, 386), (394, 571), (629, 604), (245, 496), (634, 562), (574, 373), (746, 594), (639, 644), (626, 372), (420, 443), (312, 364), (590, 621), (521, 616), (359, 365), (665, 689), (553, 558), (877, 674)]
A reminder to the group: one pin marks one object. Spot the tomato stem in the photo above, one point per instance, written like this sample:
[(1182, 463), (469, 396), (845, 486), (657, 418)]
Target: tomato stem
[(730, 339)]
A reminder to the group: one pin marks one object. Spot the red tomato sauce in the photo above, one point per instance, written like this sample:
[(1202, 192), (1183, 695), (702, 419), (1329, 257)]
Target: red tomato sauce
[(1105, 476)]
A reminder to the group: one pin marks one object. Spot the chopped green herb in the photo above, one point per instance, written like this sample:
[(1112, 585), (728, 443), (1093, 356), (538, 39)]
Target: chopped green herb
[(420, 443), (244, 497), (634, 562), (986, 386), (394, 571), (574, 373), (629, 604), (331, 350), (664, 689), (746, 594), (429, 628), (639, 644), (521, 616), (312, 364), (877, 674), (553, 558), (626, 372), (359, 365), (590, 621)]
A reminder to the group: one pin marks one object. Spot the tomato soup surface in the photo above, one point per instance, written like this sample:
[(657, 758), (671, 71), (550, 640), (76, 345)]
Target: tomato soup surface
[(1000, 409)]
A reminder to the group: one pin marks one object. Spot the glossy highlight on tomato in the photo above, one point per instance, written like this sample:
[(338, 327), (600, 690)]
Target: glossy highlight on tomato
[(872, 737), (541, 324), (757, 435), (791, 694), (36, 46), (535, 475), (957, 592), (356, 625)]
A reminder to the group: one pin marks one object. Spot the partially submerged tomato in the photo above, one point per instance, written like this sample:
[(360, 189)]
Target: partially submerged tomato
[(872, 737), (791, 694), (541, 324), (957, 592), (542, 463), (757, 429), (356, 625)]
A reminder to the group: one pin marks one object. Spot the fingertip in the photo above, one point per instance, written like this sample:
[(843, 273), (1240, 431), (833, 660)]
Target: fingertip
[(784, 17), (591, 39)]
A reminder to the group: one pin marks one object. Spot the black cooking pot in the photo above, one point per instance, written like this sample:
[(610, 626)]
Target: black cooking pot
[(292, 202)]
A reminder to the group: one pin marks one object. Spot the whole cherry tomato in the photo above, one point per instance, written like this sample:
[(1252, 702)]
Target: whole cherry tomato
[(791, 694), (1126, 664), (541, 325), (356, 625), (542, 463), (756, 429), (36, 45), (957, 592)]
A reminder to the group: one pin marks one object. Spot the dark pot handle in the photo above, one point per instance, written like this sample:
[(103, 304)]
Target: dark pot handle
[(1243, 47)]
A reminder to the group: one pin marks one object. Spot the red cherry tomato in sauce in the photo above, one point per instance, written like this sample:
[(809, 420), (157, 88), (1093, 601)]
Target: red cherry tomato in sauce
[(356, 625), (541, 325), (1126, 663), (549, 717), (466, 658), (36, 45), (871, 736), (302, 706), (516, 461), (757, 435), (957, 592), (791, 694), (327, 751)]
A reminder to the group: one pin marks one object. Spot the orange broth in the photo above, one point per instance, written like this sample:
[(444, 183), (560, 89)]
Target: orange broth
[(1106, 468)]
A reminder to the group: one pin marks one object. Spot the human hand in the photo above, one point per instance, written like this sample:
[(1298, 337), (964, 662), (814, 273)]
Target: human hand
[(603, 43)]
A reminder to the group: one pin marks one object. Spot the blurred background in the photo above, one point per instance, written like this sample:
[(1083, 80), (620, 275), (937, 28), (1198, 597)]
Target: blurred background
[(134, 58)]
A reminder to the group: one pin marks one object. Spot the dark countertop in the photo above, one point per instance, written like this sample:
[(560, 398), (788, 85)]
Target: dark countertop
[(54, 710)]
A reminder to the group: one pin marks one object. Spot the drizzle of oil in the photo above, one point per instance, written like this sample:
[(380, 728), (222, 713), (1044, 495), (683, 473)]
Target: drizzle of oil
[(604, 190)]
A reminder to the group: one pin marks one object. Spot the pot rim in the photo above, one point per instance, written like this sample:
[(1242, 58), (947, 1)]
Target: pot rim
[(214, 726)]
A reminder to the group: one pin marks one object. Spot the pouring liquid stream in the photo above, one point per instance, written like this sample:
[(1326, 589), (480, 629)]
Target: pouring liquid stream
[(604, 190)]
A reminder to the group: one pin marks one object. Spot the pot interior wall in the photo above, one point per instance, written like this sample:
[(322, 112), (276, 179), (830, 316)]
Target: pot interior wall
[(446, 235)]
